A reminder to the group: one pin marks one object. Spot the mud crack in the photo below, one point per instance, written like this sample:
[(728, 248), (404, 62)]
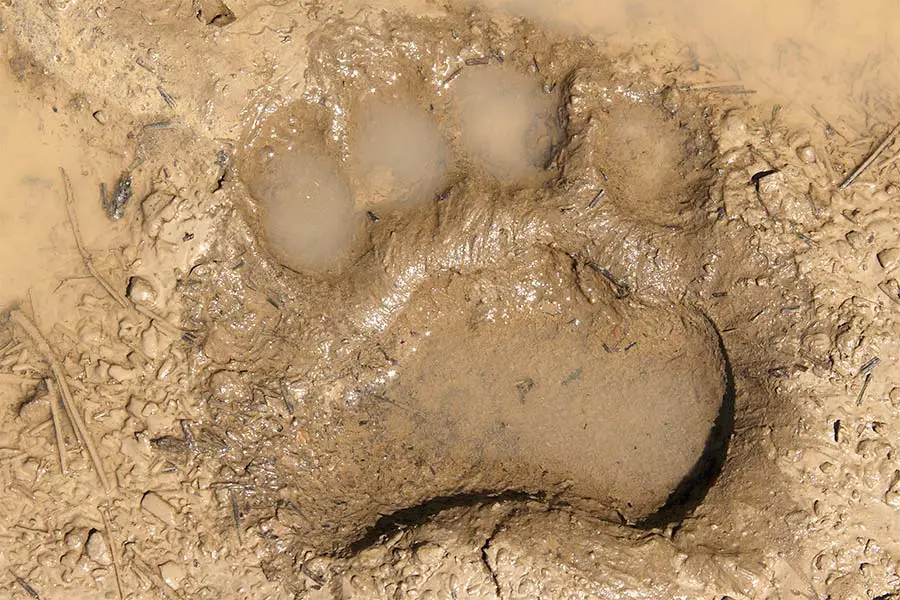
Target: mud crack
[(486, 560)]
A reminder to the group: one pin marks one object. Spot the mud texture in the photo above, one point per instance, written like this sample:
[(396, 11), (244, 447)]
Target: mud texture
[(343, 344)]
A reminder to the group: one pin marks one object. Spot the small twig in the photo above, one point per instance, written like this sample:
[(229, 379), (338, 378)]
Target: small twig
[(66, 393), (711, 85), (163, 325), (28, 589), (236, 514), (158, 125), (870, 366), (597, 198), (862, 391), (57, 426), (622, 289), (40, 428), (189, 437), (143, 569), (117, 565), (872, 157), (451, 77), (85, 256), (167, 98), (892, 160), (722, 88)]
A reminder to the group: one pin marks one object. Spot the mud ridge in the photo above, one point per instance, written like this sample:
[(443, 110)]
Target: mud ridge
[(423, 513)]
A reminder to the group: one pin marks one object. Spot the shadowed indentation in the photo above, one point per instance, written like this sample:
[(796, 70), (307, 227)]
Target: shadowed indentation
[(683, 500), (422, 513), (691, 491)]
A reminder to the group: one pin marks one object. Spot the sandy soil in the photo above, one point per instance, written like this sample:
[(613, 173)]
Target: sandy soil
[(354, 301)]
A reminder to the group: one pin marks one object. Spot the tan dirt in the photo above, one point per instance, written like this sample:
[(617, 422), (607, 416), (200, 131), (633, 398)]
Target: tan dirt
[(440, 302)]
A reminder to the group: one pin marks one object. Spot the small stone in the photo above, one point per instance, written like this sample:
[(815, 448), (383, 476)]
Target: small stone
[(894, 397), (159, 508), (172, 573), (97, 549), (855, 239), (892, 496), (319, 567), (99, 116), (155, 203), (135, 406), (75, 538), (97, 370), (150, 342), (165, 369), (817, 344), (121, 374), (889, 258), (140, 290), (70, 558), (732, 132), (36, 410), (429, 554), (796, 518), (892, 499), (29, 468), (807, 154)]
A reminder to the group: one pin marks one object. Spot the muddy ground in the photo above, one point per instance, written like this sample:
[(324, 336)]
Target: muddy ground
[(354, 301)]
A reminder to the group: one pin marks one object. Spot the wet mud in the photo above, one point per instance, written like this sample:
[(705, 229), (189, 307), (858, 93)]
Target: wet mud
[(438, 303)]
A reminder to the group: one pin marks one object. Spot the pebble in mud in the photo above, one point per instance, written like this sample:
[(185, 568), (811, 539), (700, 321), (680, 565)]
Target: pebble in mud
[(894, 397), (807, 154), (172, 573), (889, 258), (154, 504), (97, 549), (150, 342), (121, 374), (75, 538), (140, 290)]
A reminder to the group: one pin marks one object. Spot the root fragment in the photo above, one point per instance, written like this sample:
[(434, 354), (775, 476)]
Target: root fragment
[(144, 570), (872, 157), (57, 426), (120, 299), (114, 550), (72, 411)]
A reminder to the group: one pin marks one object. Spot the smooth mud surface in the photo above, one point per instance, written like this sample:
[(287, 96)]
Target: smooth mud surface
[(358, 300)]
